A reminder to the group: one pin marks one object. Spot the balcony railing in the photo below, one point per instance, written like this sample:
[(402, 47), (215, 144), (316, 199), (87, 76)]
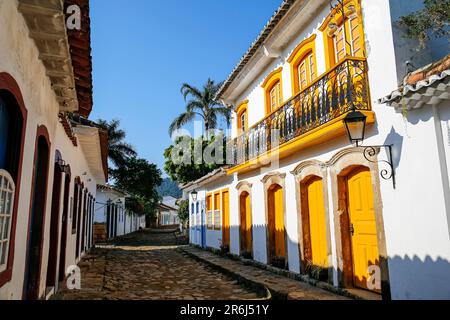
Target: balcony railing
[(331, 95)]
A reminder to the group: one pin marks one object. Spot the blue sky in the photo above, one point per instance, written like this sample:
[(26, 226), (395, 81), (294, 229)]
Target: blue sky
[(143, 50)]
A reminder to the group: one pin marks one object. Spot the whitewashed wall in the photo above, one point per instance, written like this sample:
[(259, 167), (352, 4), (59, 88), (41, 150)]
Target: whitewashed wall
[(416, 218), (19, 58)]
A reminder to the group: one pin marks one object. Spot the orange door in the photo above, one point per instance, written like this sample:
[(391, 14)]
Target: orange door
[(225, 219), (277, 245), (362, 225), (316, 206), (246, 222)]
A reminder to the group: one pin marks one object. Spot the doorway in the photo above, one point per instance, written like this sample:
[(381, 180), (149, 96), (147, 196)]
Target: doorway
[(362, 225), (245, 224), (65, 215), (54, 222), (37, 217), (226, 219), (275, 226), (314, 229)]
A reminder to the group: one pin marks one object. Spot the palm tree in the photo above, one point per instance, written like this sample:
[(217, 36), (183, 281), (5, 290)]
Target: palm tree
[(119, 150), (202, 104)]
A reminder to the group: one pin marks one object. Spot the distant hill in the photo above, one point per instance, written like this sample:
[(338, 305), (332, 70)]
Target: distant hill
[(169, 188)]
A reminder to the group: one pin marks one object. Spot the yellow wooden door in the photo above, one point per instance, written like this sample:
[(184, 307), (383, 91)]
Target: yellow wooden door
[(280, 248), (362, 225), (316, 205), (225, 218), (248, 223)]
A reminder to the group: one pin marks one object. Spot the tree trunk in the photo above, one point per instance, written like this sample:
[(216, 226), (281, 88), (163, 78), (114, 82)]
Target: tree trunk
[(207, 130)]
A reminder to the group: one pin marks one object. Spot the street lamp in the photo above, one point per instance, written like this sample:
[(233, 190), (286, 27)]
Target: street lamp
[(194, 195), (355, 123)]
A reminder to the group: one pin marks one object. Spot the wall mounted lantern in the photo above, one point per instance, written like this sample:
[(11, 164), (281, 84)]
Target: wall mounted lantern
[(355, 123), (194, 195)]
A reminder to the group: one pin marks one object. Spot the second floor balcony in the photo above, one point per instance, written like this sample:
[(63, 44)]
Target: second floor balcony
[(300, 120)]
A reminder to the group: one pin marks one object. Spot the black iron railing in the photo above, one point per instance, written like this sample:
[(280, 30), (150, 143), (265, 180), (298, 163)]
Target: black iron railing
[(331, 95)]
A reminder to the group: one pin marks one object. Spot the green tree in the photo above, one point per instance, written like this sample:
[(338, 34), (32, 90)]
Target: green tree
[(185, 167), (201, 104), (183, 211), (139, 178), (430, 22), (119, 151)]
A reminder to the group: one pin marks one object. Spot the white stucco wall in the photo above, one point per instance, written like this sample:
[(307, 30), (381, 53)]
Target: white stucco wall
[(416, 213), (19, 58)]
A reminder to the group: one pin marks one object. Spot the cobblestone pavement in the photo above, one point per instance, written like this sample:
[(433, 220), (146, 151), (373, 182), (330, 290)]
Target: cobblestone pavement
[(281, 287), (147, 265)]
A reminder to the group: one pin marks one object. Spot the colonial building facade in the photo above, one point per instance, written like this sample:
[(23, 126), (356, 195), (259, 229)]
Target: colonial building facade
[(111, 218), (299, 195), (51, 157)]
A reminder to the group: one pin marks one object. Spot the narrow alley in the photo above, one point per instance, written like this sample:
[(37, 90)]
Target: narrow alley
[(146, 265)]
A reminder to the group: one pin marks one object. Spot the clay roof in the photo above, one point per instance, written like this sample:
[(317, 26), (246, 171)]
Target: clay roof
[(80, 51), (426, 86)]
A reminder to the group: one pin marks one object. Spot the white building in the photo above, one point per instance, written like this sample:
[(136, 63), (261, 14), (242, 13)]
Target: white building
[(50, 161), (299, 195), (111, 218), (168, 212)]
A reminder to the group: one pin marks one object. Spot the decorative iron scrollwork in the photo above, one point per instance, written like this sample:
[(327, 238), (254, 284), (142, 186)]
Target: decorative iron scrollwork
[(371, 151), (342, 89)]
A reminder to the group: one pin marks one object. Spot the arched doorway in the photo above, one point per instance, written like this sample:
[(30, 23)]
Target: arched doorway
[(362, 225), (314, 228), (65, 219), (226, 219), (275, 226), (13, 116), (37, 216), (54, 220), (245, 226)]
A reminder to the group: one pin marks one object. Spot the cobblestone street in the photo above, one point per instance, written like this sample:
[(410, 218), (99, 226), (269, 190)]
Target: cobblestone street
[(148, 265)]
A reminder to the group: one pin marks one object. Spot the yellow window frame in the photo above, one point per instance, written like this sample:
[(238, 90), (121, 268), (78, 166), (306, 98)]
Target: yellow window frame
[(241, 110), (217, 208), (335, 18), (301, 54), (274, 78), (209, 217)]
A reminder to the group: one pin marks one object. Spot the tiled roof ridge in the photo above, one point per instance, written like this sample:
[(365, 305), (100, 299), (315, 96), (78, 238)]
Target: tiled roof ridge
[(427, 71)]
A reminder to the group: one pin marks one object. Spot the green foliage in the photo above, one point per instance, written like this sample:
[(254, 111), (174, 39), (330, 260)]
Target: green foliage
[(184, 167), (118, 150), (202, 104), (430, 22), (139, 178), (169, 187), (183, 210)]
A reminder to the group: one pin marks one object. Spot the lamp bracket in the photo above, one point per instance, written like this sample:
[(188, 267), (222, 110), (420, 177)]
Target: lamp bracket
[(370, 152)]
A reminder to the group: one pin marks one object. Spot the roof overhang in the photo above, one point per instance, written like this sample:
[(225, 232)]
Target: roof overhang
[(64, 53), (89, 138), (165, 207), (291, 17), (206, 179), (428, 92), (110, 189)]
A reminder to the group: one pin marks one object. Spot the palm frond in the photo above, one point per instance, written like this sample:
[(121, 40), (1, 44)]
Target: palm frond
[(188, 90), (180, 121)]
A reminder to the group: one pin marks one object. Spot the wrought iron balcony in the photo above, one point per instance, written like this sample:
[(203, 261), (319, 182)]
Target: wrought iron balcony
[(330, 96)]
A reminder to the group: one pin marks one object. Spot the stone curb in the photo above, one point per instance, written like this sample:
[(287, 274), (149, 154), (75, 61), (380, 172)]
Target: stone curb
[(258, 287), (254, 284)]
